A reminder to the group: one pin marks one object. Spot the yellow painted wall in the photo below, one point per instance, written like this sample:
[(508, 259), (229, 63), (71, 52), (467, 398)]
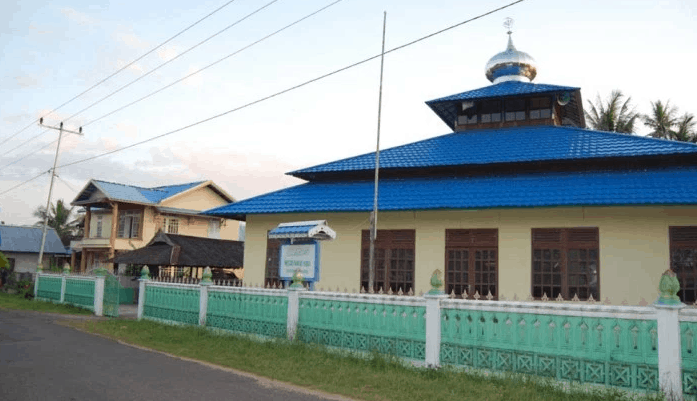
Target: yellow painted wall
[(106, 224), (634, 249), (199, 199)]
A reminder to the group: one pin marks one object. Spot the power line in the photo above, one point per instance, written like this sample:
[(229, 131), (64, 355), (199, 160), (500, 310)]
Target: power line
[(212, 64), (25, 182), (169, 61), (293, 87), (121, 69), (29, 154), (27, 141)]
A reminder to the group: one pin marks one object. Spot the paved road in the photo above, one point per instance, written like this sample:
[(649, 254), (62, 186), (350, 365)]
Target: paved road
[(41, 360)]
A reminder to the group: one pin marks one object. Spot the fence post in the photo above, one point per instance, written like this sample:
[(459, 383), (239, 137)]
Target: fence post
[(668, 307), (62, 298), (39, 271), (203, 296), (144, 278), (99, 295), (433, 319), (294, 304)]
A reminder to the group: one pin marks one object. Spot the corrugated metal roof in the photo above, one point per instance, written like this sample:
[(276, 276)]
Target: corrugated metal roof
[(506, 145), (504, 89), (28, 240), (671, 186), (131, 193)]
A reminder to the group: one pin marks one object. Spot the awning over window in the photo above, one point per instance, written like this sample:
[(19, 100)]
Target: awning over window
[(316, 229)]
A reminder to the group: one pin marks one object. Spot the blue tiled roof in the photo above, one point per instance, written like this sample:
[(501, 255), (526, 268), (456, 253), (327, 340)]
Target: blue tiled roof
[(28, 240), (673, 186), (131, 193), (291, 230), (504, 89), (506, 145)]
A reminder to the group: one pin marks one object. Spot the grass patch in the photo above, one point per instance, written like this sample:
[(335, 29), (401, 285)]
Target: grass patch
[(374, 378), (18, 302)]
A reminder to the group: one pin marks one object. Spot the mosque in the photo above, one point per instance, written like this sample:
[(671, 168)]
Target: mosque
[(520, 201)]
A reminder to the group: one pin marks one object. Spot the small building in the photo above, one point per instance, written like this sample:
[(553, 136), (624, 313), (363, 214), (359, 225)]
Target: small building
[(519, 201), (120, 218), (172, 255), (21, 246)]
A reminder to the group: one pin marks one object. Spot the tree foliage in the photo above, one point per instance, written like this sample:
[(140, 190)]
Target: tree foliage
[(616, 114), (61, 219)]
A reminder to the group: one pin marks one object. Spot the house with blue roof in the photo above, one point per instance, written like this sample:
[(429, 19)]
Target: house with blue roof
[(21, 246), (121, 218), (520, 201)]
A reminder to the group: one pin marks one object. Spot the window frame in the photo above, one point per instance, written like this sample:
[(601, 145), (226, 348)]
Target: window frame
[(471, 241), (682, 238), (172, 225), (565, 244), (134, 215), (271, 269), (386, 243)]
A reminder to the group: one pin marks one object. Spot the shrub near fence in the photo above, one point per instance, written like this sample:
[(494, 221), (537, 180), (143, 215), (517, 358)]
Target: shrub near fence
[(635, 348)]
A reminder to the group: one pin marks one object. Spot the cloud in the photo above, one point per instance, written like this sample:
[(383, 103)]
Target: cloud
[(132, 40), (15, 118), (27, 81), (38, 30), (136, 68), (77, 16), (167, 53), (129, 130), (195, 81)]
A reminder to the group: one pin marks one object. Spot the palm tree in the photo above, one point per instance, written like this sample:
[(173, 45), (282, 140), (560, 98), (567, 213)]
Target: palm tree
[(615, 115), (59, 219), (685, 131), (661, 120)]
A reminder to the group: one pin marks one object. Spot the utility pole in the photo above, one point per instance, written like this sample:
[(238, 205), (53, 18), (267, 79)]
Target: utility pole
[(374, 214), (50, 188)]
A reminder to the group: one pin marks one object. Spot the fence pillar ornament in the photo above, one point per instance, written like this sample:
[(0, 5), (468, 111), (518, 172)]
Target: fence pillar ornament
[(39, 269), (207, 276), (294, 307), (668, 288), (436, 283), (101, 272), (144, 278), (668, 307), (297, 279), (145, 273)]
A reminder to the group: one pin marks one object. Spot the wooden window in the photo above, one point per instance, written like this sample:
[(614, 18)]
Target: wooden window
[(129, 224), (515, 109), (471, 262), (540, 107), (565, 261), (491, 111), (394, 260), (273, 250), (100, 224), (683, 260), (172, 225)]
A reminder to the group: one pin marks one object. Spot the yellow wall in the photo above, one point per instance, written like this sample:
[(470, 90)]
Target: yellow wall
[(106, 224), (203, 198), (634, 249)]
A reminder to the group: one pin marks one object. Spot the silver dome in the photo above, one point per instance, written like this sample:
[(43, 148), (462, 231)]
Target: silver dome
[(511, 65)]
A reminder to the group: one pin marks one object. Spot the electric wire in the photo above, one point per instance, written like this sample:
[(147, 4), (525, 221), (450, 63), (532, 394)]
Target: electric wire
[(175, 58), (121, 69), (216, 116), (25, 182), (212, 64), (28, 154)]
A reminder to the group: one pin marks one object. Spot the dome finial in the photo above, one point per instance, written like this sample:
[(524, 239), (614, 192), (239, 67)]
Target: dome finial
[(511, 64), (508, 24)]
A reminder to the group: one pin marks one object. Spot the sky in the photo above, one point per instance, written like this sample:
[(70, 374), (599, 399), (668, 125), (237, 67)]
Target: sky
[(55, 50)]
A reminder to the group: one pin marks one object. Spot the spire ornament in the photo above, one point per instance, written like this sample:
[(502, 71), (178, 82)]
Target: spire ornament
[(511, 64)]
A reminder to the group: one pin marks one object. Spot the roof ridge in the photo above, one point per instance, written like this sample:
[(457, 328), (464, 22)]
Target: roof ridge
[(637, 136), (25, 226), (177, 185), (127, 185)]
